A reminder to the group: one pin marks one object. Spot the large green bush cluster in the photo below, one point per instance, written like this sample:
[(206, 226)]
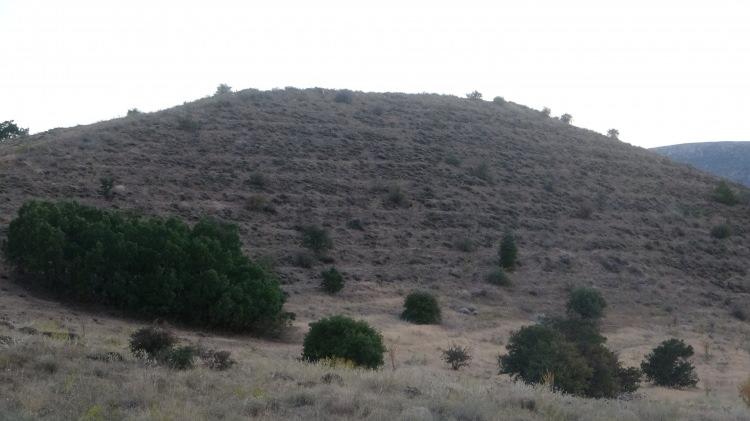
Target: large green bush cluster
[(668, 365), (146, 266), (421, 308), (569, 355)]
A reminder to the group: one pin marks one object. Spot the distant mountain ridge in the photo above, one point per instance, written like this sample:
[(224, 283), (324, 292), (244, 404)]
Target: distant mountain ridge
[(725, 159)]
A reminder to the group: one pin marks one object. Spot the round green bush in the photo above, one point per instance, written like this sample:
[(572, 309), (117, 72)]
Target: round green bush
[(508, 252), (421, 308), (668, 365), (340, 337), (151, 342), (587, 303), (332, 281), (498, 277)]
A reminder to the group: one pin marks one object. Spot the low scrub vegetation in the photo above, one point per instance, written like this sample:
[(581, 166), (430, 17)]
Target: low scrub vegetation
[(421, 308), (10, 130), (724, 194), (150, 267), (316, 239), (586, 303), (457, 356), (508, 252), (721, 231), (498, 277), (342, 338)]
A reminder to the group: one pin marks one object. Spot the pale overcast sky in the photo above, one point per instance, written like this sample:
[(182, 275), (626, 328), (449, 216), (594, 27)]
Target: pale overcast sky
[(661, 72)]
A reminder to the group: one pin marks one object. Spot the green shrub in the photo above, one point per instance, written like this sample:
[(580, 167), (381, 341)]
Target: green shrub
[(180, 358), (498, 277), (395, 198), (457, 356), (421, 308), (344, 96), (106, 187), (721, 231), (151, 342), (464, 244), (613, 134), (724, 194), (10, 130), (482, 172), (151, 267), (667, 365), (546, 111), (223, 89), (332, 282), (584, 332), (339, 337), (186, 123), (316, 239), (587, 303), (538, 353), (566, 118), (630, 379), (508, 252), (133, 112), (304, 259), (475, 95), (217, 360), (499, 100)]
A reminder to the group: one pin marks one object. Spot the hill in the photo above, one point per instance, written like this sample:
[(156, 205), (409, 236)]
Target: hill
[(730, 160), (416, 192)]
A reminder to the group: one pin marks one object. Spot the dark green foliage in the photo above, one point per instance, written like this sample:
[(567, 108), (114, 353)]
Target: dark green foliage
[(630, 379), (453, 161), (151, 342), (421, 308), (316, 239), (721, 231), (724, 194), (475, 95), (339, 337), (133, 112), (106, 186), (498, 277), (577, 330), (258, 180), (586, 303), (223, 89), (344, 96), (499, 100), (508, 251), (304, 259), (482, 172), (668, 365), (464, 244), (355, 224), (538, 351), (332, 282), (566, 118), (546, 111), (180, 358), (457, 356), (151, 267), (10, 130), (613, 133)]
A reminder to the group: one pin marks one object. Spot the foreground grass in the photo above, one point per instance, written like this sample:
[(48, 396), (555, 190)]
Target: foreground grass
[(55, 379)]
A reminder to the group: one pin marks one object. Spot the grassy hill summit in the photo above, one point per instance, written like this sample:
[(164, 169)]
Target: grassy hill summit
[(354, 200)]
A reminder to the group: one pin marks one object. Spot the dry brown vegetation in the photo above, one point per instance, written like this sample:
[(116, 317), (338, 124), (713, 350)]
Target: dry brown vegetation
[(402, 183)]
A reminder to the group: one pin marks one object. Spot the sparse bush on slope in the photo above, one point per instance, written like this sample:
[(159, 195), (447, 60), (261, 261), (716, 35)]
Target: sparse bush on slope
[(668, 365), (508, 252), (316, 239), (724, 194), (146, 266), (340, 337), (332, 281), (421, 308), (457, 356), (151, 342), (566, 118), (721, 231)]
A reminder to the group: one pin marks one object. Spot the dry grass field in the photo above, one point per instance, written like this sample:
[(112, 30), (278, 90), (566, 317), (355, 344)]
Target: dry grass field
[(416, 192)]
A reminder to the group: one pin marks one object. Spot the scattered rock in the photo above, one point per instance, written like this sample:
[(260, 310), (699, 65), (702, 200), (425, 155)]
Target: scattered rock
[(468, 310)]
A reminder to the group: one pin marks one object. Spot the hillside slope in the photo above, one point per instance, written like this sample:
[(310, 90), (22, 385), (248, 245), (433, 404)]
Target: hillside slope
[(726, 159), (416, 191)]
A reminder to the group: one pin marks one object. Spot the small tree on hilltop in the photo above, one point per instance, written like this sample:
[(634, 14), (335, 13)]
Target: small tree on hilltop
[(421, 308), (223, 89), (668, 365), (566, 118), (546, 111), (340, 337), (475, 95), (508, 251), (498, 100), (586, 303), (10, 130), (613, 133)]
